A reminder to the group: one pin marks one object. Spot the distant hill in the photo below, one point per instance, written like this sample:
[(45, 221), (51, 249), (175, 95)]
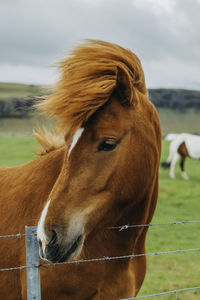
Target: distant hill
[(17, 99), (18, 91)]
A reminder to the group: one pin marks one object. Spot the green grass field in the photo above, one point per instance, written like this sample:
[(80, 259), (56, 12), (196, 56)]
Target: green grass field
[(15, 151), (178, 200)]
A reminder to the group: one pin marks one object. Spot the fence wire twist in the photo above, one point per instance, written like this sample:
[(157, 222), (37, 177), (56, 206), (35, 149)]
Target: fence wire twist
[(122, 227), (153, 224)]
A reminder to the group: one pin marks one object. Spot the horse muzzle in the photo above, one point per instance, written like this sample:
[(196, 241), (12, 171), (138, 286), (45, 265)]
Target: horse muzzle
[(60, 250)]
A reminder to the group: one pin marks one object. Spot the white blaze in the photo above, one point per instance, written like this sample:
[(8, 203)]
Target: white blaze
[(76, 137), (40, 229)]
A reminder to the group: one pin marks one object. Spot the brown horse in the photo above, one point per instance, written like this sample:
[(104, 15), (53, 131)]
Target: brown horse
[(106, 174)]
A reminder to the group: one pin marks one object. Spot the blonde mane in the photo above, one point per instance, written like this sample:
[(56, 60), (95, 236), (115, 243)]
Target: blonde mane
[(89, 76)]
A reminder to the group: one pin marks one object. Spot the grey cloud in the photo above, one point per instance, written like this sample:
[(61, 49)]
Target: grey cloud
[(38, 32)]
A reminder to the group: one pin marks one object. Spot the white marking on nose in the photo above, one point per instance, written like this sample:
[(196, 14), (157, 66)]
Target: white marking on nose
[(77, 222), (40, 229), (76, 137)]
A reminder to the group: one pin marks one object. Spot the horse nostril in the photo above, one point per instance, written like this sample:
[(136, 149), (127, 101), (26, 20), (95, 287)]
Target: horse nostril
[(54, 239), (40, 243)]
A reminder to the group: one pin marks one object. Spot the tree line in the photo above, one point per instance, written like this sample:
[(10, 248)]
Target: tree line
[(177, 99), (17, 107)]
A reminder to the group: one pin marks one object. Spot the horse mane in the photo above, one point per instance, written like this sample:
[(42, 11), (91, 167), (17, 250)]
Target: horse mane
[(89, 76), (49, 141)]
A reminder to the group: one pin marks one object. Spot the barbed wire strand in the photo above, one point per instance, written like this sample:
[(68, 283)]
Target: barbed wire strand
[(14, 268), (13, 235), (107, 258), (122, 227), (164, 293)]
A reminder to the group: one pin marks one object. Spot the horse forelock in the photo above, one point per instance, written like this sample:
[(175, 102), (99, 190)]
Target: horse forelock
[(88, 78)]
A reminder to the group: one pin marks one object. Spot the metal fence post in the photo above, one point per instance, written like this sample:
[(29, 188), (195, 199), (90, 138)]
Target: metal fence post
[(32, 262)]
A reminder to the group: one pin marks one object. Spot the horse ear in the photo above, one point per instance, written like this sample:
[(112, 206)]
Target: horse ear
[(48, 140), (125, 86), (41, 137)]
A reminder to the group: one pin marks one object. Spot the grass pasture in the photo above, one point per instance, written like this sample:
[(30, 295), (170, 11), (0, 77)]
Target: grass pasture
[(178, 200), (16, 150)]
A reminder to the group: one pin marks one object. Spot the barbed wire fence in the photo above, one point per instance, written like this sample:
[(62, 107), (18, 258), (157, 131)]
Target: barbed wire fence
[(33, 260)]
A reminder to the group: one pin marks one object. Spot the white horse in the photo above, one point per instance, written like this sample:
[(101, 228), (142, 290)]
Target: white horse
[(184, 145)]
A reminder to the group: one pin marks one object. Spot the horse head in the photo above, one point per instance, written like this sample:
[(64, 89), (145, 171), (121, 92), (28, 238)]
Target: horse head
[(112, 149)]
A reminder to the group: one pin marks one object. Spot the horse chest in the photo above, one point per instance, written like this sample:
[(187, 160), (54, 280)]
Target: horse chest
[(86, 282)]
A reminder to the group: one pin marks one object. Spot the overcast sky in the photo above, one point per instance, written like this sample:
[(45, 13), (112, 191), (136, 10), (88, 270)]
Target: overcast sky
[(165, 34)]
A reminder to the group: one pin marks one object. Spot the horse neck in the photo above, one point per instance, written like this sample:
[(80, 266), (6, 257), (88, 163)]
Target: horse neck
[(43, 172), (26, 188)]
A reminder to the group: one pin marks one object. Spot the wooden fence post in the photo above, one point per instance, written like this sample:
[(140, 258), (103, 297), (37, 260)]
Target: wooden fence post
[(33, 263)]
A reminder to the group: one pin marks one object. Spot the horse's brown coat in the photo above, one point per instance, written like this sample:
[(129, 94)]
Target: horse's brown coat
[(119, 186), (182, 150)]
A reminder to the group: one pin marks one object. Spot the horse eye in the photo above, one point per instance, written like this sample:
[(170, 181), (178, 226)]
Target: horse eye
[(107, 145)]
